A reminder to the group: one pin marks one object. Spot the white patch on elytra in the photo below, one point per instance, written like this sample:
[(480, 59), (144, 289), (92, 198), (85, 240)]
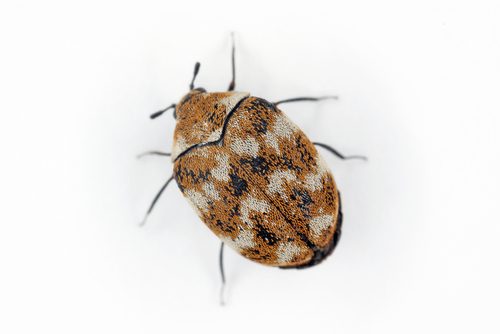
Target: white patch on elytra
[(313, 181), (277, 179), (199, 201), (286, 252), (180, 145), (242, 241), (252, 204), (236, 119), (200, 153), (319, 224), (282, 128), (245, 147), (245, 238), (221, 172), (214, 136), (272, 141), (210, 191), (232, 100)]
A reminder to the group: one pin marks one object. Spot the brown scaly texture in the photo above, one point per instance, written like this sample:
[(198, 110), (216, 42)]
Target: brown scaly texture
[(260, 186), (201, 116)]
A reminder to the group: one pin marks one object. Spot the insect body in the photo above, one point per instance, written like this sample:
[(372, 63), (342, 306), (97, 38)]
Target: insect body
[(255, 179)]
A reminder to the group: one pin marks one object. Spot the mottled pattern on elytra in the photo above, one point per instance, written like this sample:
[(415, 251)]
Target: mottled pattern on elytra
[(230, 204), (263, 188)]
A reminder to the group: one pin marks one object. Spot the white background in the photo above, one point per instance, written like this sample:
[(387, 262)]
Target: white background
[(419, 95)]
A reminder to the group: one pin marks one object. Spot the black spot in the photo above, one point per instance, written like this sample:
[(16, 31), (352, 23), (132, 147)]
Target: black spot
[(178, 179), (305, 155), (322, 253), (268, 237), (304, 199), (285, 161), (193, 177), (235, 211), (259, 165), (238, 185), (260, 124), (301, 235), (329, 191), (259, 103), (211, 117), (224, 226)]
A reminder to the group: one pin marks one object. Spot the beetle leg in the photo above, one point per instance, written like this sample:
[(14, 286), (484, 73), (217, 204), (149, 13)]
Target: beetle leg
[(232, 84), (164, 154), (156, 200), (305, 98), (222, 276), (338, 154)]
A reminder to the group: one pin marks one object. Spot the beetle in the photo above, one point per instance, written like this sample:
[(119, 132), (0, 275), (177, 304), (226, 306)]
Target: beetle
[(253, 177)]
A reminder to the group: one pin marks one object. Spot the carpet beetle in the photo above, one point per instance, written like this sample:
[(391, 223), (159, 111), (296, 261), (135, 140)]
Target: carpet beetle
[(254, 178)]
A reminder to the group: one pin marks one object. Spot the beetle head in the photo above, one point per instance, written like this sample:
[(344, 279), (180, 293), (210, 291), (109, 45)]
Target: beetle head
[(192, 91)]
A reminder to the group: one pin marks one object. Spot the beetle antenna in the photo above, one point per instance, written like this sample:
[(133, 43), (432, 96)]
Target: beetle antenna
[(196, 69), (233, 81), (160, 112)]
